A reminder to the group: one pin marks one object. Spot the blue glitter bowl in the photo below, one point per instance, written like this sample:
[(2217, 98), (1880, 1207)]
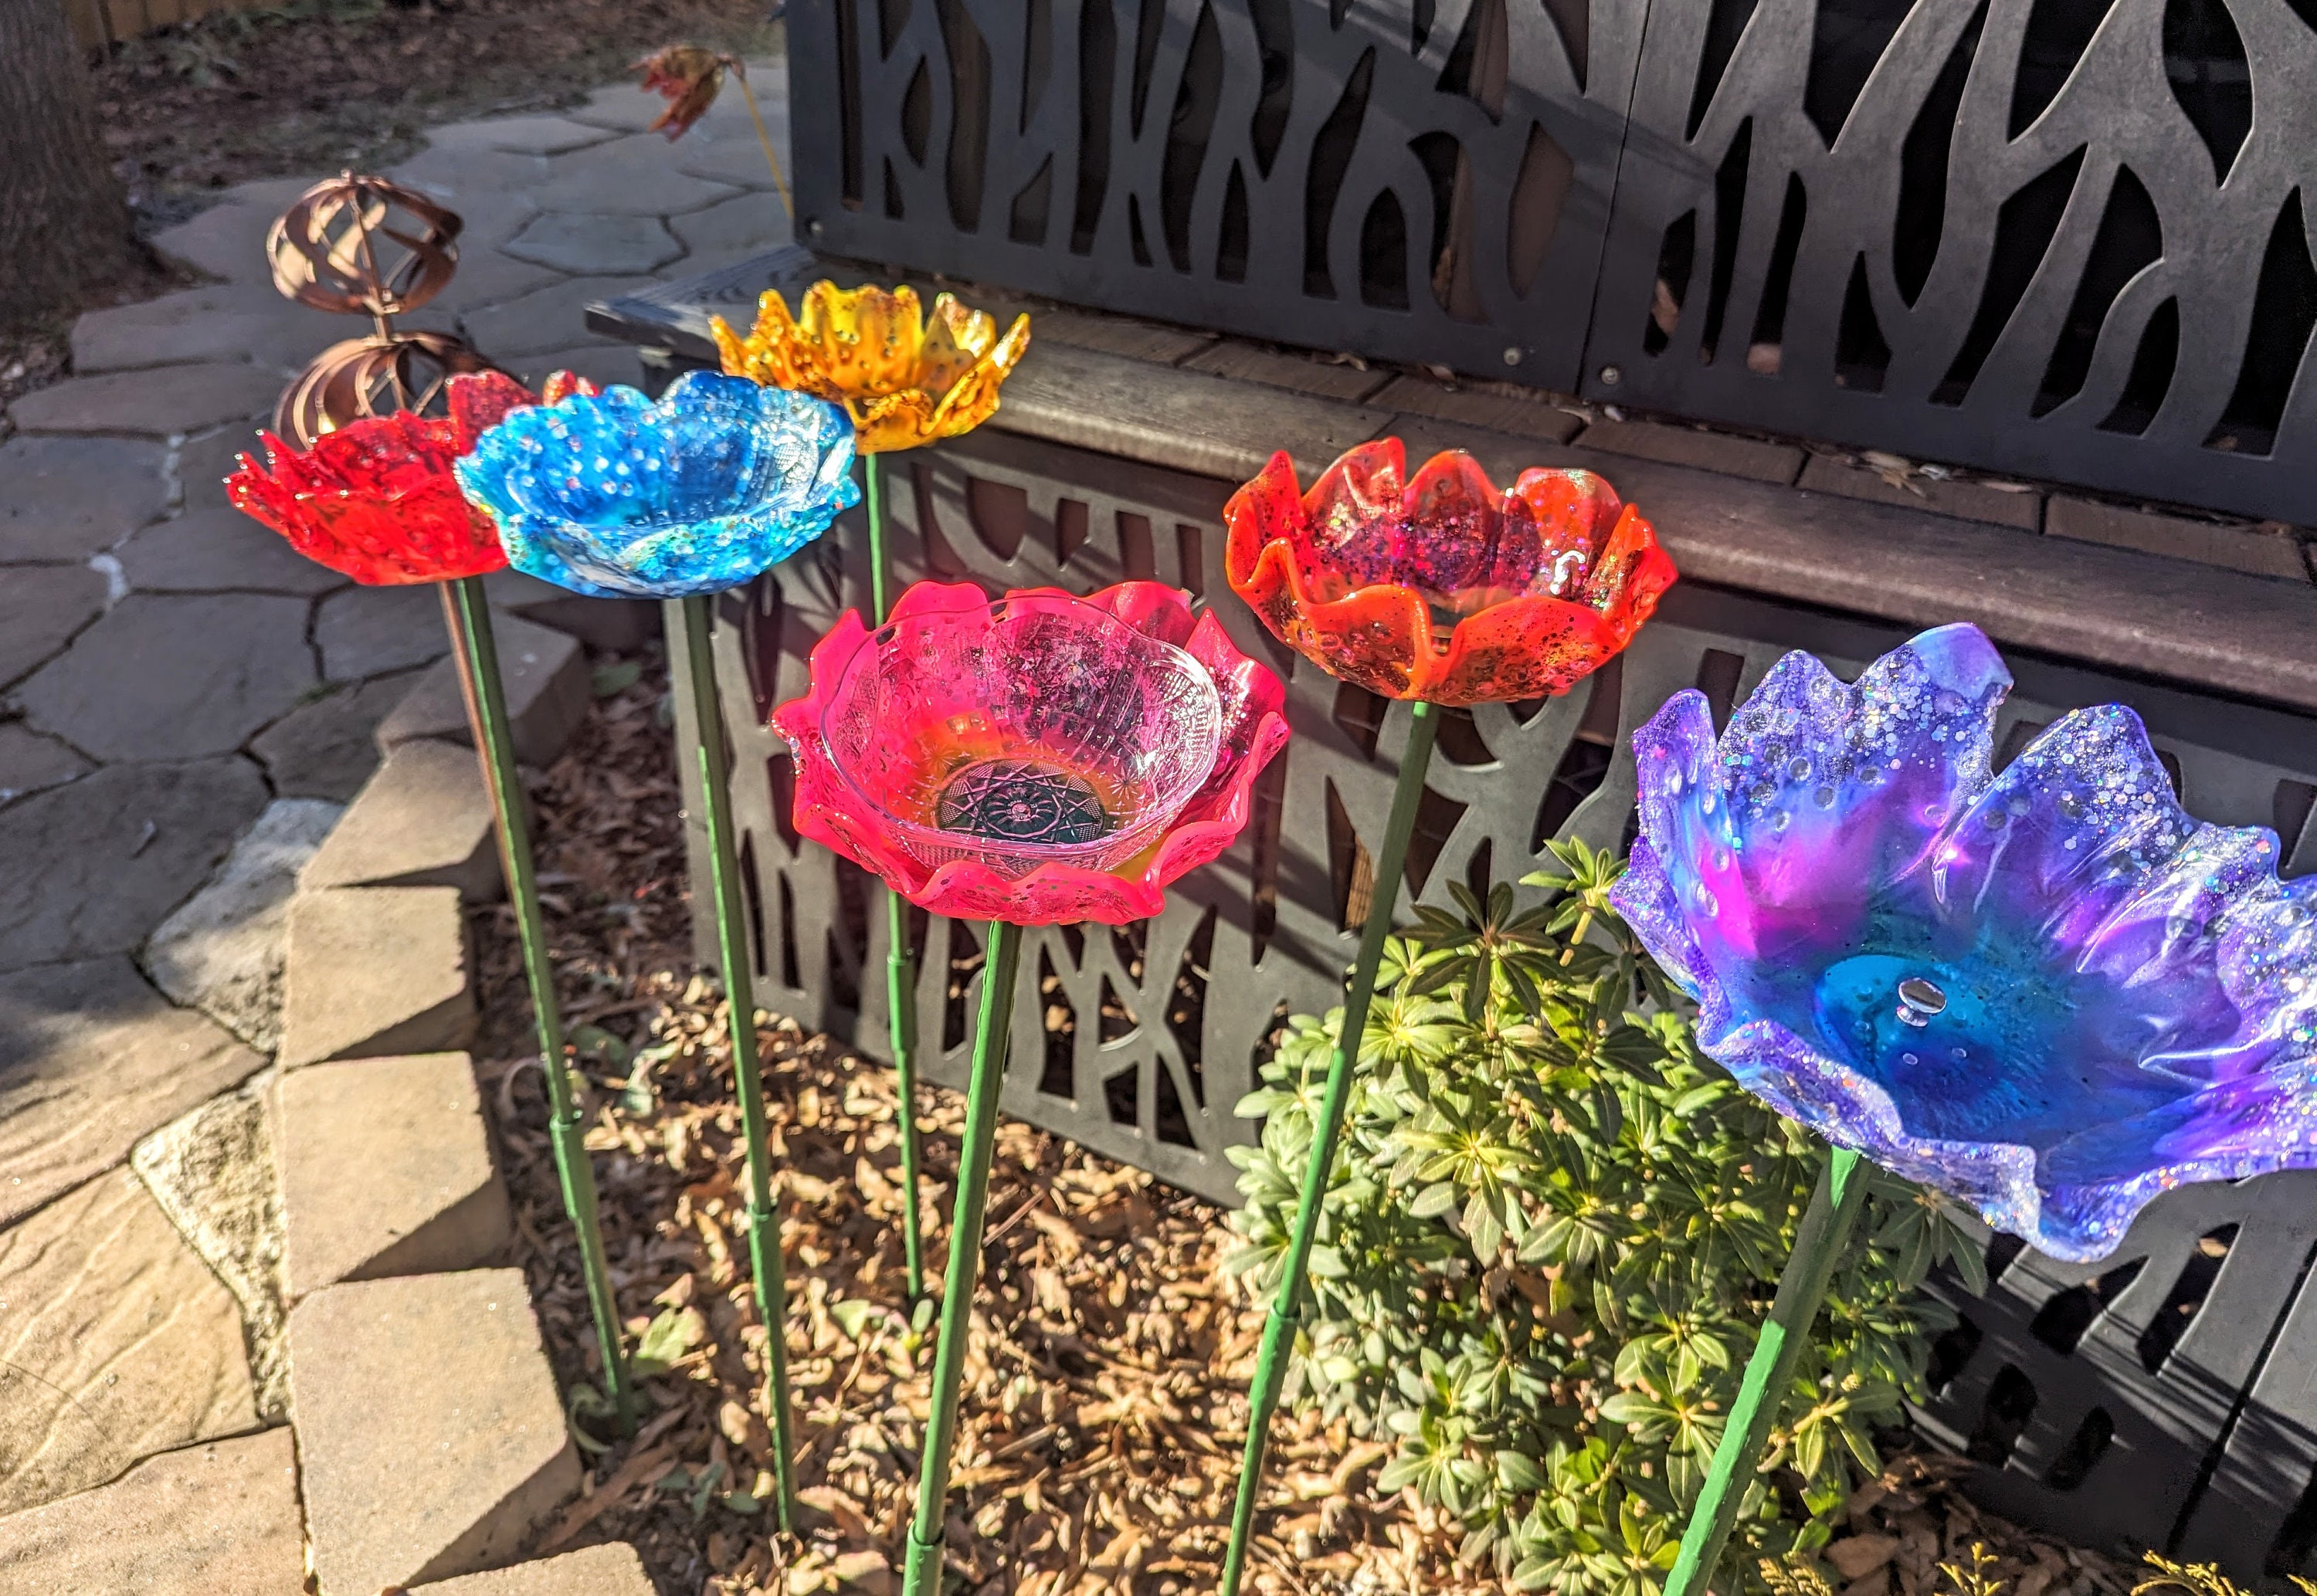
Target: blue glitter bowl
[(2048, 991), (617, 496)]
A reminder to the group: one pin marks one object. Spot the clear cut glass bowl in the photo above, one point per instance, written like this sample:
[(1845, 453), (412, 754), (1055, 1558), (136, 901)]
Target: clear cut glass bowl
[(1035, 730)]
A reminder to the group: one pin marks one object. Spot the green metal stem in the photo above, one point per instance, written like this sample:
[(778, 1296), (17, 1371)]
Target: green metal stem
[(765, 1258), (1819, 1246), (900, 967), (922, 1571), (478, 651), (1287, 1309)]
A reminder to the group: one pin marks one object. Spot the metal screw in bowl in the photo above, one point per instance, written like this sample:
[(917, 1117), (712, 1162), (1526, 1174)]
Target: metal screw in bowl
[(1611, 376), (1918, 999), (1513, 355)]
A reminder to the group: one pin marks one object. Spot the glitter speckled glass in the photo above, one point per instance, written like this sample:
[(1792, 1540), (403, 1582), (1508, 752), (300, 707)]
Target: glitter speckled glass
[(1444, 589), (376, 500), (615, 495), (2049, 992), (1039, 759), (905, 377)]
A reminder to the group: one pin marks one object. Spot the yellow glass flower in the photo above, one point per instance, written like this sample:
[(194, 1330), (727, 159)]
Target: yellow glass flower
[(905, 379)]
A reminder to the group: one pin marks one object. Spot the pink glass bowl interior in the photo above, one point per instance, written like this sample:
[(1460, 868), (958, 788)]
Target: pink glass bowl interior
[(1037, 730)]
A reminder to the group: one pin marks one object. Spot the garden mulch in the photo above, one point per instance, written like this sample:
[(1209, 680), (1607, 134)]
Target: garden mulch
[(1104, 1407)]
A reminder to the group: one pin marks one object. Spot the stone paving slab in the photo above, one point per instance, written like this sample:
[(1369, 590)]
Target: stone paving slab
[(327, 747), (369, 631), (618, 625), (63, 499), (220, 551), (638, 175), (601, 363), (228, 240), (205, 459), (40, 609), (220, 322), (375, 972), (91, 1059), (431, 1439), (480, 184), (218, 1520), (94, 865), (212, 1173), (613, 1569), (599, 244), (428, 1202), (730, 231), (30, 761), (739, 162), (175, 676), (523, 135), (153, 403), (117, 1343), (424, 820), (550, 318), (487, 277), (222, 951), (544, 675)]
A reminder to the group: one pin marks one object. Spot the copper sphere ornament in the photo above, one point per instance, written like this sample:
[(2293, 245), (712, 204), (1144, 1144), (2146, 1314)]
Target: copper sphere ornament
[(372, 375), (363, 246)]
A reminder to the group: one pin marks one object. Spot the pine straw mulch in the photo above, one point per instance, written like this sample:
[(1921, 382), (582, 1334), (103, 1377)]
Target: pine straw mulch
[(1104, 1407)]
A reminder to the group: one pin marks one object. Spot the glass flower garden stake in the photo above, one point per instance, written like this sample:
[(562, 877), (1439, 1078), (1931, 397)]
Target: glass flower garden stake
[(612, 495), (1440, 591), (2047, 992), (1038, 761), (377, 501), (905, 379)]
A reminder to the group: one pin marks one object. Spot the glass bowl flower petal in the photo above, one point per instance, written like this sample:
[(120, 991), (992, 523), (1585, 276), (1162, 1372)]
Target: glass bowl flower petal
[(906, 379), (1444, 589), (1040, 759), (376, 500), (2048, 992), (615, 495)]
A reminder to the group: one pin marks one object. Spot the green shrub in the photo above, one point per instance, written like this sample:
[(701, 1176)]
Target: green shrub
[(1553, 1229)]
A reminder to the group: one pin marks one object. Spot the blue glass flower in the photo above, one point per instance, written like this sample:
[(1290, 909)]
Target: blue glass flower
[(615, 495), (2050, 991)]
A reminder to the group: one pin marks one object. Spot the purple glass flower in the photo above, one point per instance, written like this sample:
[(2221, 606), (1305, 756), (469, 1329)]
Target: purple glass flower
[(2050, 991)]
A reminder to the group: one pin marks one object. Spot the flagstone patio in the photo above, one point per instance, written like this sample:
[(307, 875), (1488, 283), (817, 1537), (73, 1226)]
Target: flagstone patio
[(184, 705)]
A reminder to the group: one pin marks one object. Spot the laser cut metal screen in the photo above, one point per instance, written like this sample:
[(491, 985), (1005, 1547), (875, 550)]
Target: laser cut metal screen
[(2114, 1400), (2066, 238)]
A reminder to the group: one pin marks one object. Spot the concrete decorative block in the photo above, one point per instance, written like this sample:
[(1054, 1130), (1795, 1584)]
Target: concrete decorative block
[(223, 952), (544, 674), (613, 1569), (219, 1520), (375, 972), (427, 1200), (430, 1436), (120, 1344), (424, 820)]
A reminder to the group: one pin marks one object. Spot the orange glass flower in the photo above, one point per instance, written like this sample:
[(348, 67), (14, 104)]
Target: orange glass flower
[(1444, 589), (906, 379)]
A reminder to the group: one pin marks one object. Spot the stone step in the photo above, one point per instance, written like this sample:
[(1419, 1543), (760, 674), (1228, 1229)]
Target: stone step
[(385, 1169), (422, 820), (431, 1439), (219, 1520), (375, 972), (544, 674), (609, 1570)]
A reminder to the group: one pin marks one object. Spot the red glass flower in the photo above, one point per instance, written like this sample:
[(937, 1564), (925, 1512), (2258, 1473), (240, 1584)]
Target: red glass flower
[(1444, 589), (1041, 759), (376, 499)]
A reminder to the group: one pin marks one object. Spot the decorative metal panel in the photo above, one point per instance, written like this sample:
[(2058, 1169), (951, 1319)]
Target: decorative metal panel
[(2069, 238), (1137, 1043), (1423, 179)]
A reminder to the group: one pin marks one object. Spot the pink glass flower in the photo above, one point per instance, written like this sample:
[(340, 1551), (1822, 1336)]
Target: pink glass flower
[(1041, 759)]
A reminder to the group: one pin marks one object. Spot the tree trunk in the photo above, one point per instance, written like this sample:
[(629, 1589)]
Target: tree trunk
[(64, 223)]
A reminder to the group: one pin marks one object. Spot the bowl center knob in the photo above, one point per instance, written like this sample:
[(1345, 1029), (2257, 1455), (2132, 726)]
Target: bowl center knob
[(1918, 999)]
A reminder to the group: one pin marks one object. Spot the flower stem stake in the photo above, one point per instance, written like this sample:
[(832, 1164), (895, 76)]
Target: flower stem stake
[(377, 500), (906, 380), (614, 496), (1444, 592), (2048, 992), (1038, 761)]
